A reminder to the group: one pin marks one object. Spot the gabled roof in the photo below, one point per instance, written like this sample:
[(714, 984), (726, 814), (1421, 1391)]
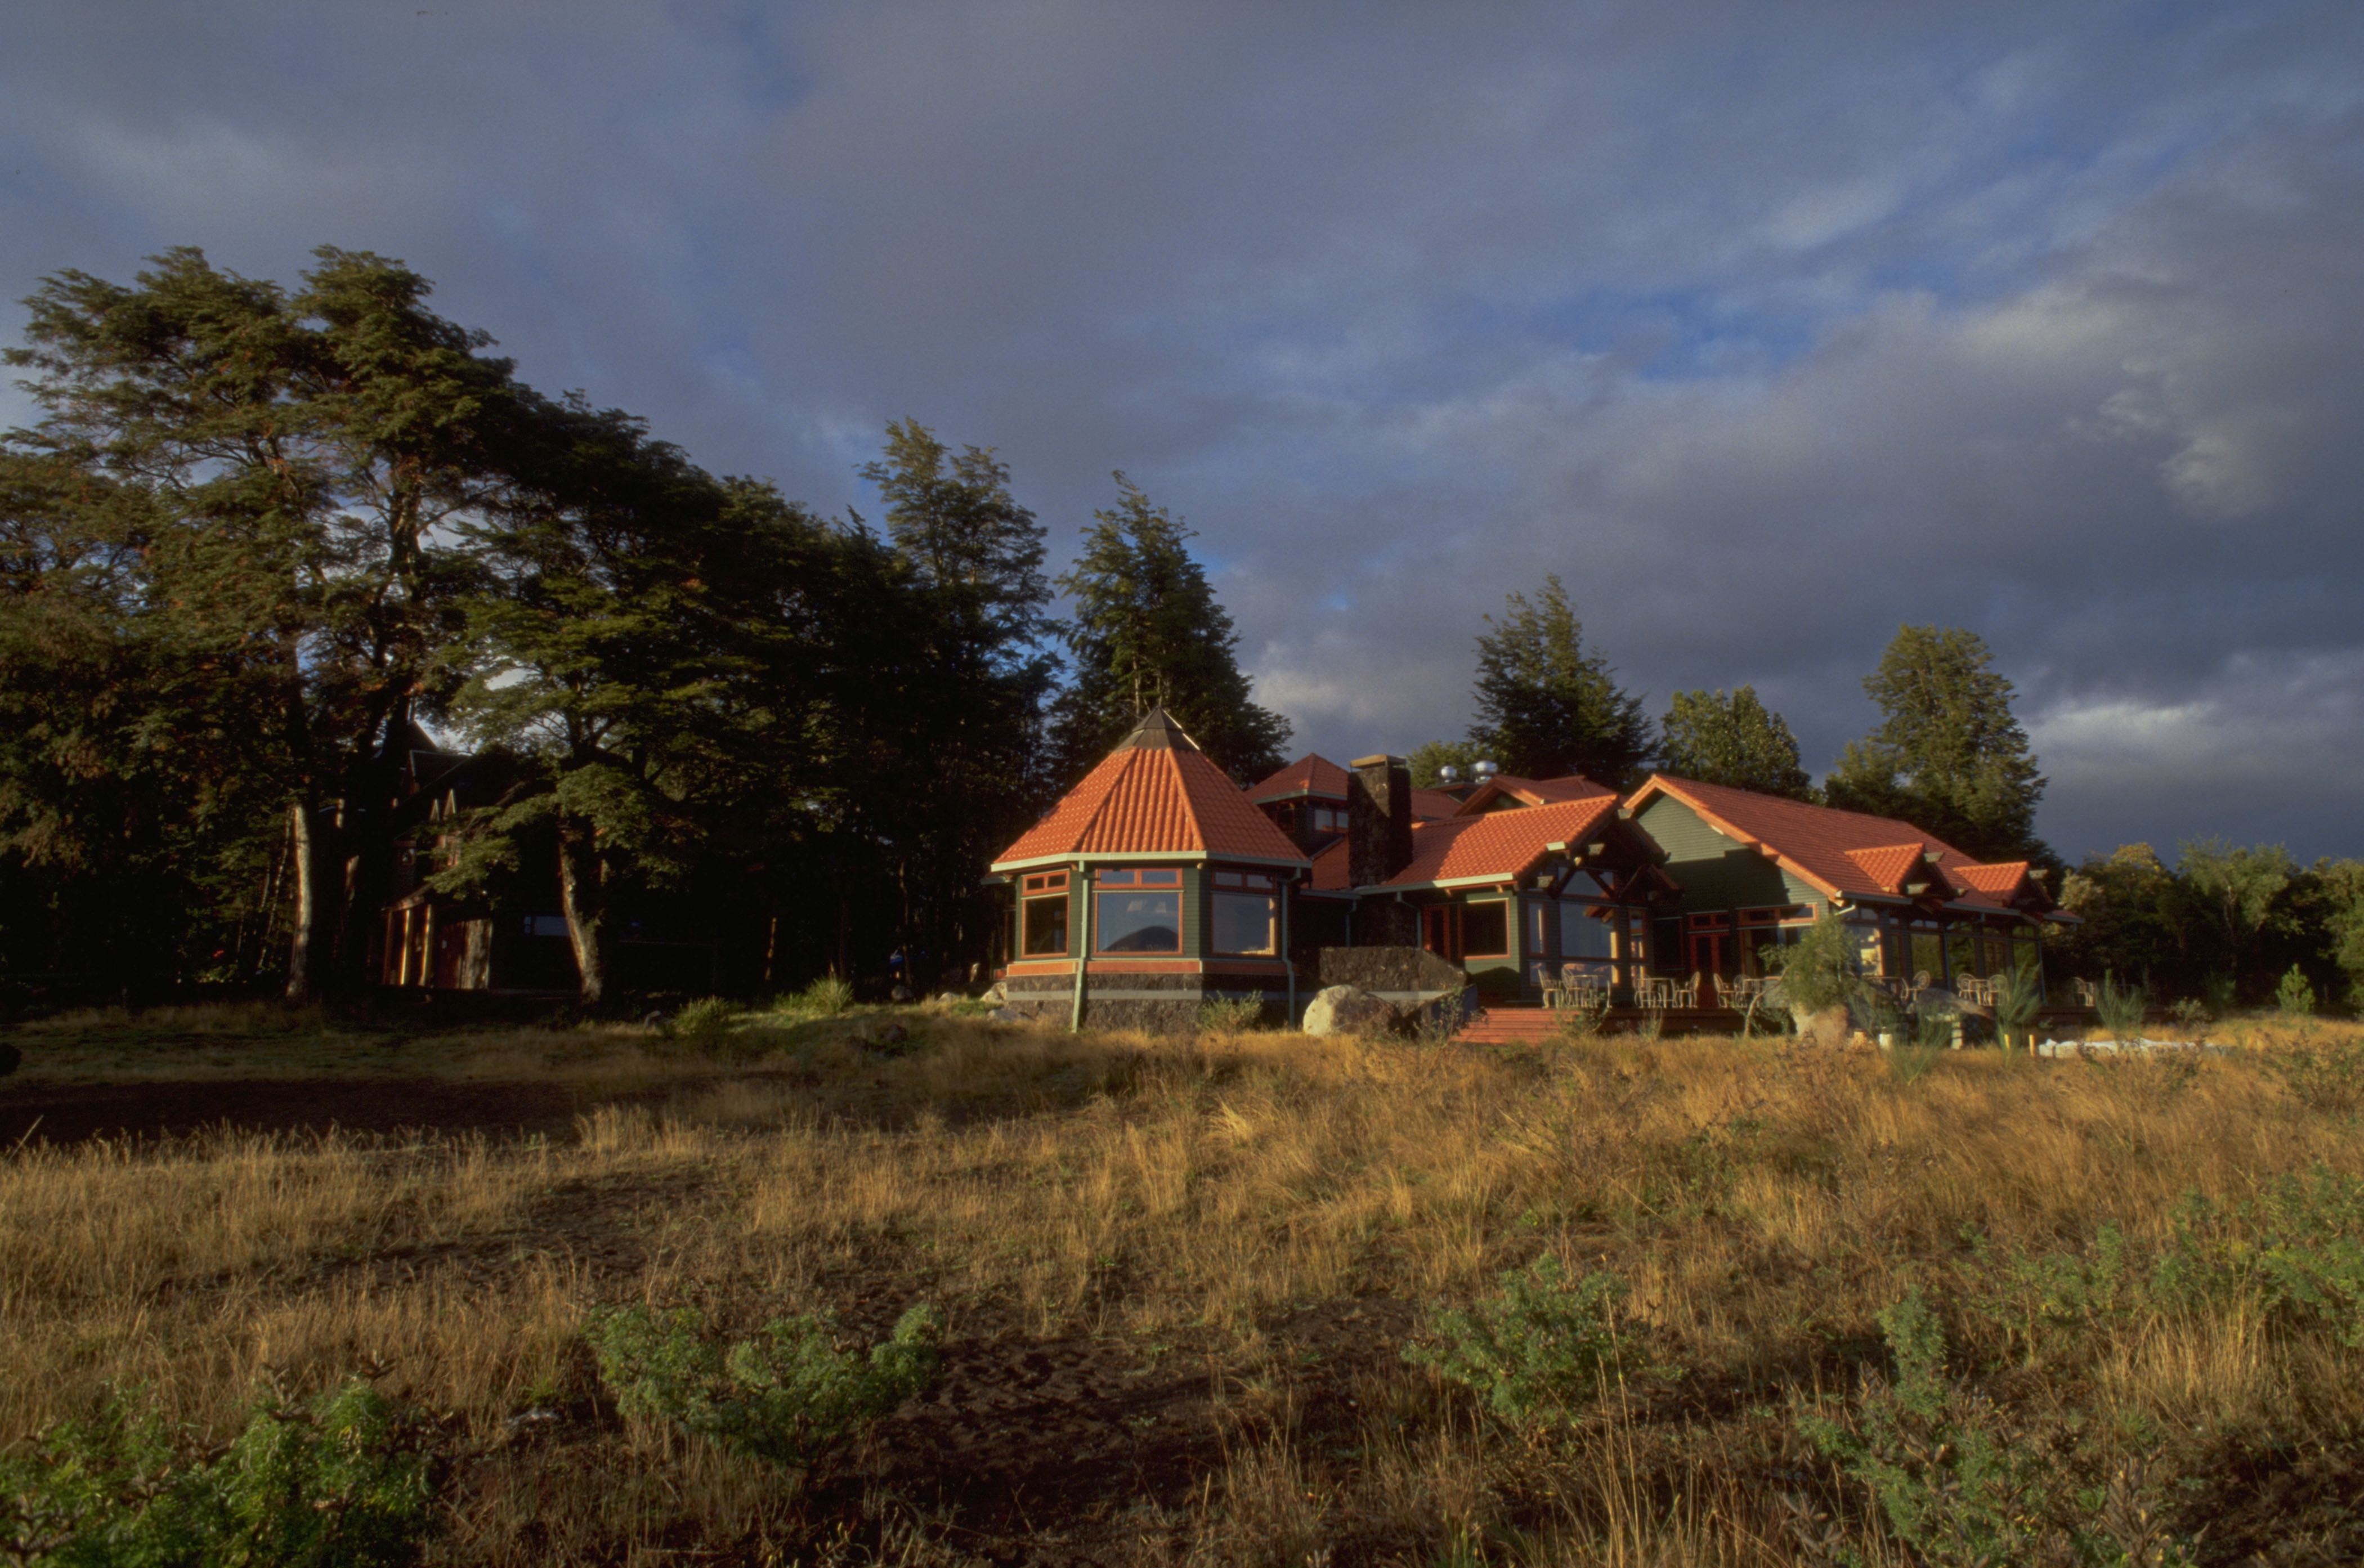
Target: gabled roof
[(1310, 774), (1842, 855), (1501, 846), (1156, 795), (1531, 792), (1427, 804), (1329, 873)]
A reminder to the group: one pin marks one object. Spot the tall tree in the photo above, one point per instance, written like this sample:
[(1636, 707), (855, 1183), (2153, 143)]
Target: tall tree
[(969, 769), (1732, 738), (1948, 755), (1147, 629), (297, 457), (1548, 706)]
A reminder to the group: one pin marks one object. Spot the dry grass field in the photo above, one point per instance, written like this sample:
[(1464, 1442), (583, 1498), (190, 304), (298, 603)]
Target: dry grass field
[(1178, 1279)]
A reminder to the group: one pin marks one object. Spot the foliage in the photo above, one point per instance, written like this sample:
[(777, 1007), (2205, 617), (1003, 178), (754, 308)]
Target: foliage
[(1546, 705), (1947, 756), (1957, 1483), (788, 1396), (2325, 1075), (1732, 738), (706, 1017), (827, 997), (1821, 969), (1538, 1351), (2121, 1009), (1430, 758), (1148, 631), (2295, 994), (1230, 1015), (2018, 996), (1580, 1019), (342, 1483)]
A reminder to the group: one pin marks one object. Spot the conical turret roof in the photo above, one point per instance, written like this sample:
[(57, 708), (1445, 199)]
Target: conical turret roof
[(1156, 794)]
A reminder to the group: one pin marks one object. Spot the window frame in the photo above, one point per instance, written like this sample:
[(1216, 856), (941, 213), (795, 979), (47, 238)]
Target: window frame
[(1132, 880), (1230, 885), (1047, 887), (1469, 907)]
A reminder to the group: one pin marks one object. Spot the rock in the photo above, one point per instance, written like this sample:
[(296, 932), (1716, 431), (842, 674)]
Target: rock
[(1346, 1009), (1006, 1015), (1827, 1026), (885, 1036), (996, 995)]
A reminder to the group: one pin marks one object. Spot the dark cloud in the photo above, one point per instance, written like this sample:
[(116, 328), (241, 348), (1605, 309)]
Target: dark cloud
[(1767, 329)]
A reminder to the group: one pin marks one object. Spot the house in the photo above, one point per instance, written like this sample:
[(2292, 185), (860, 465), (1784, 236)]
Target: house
[(1753, 870), (1520, 877), (1154, 886)]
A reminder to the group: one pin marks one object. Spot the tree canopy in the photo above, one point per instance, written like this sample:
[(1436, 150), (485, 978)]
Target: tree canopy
[(1147, 631), (1732, 738), (1948, 754), (1546, 705)]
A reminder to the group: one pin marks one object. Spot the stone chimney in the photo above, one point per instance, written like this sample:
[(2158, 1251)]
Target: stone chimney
[(1378, 818)]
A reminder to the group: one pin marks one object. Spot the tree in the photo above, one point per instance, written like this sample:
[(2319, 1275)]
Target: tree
[(963, 769), (1547, 707), (1147, 631), (1732, 738), (294, 458), (2236, 897), (1431, 758), (1948, 756)]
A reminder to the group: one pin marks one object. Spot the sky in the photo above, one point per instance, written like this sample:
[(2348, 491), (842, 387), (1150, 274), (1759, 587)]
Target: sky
[(1766, 329)]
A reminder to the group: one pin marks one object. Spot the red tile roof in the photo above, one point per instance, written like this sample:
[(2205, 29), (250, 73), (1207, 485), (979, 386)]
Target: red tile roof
[(1845, 854), (1430, 804), (1329, 870), (1890, 864), (1533, 792), (1310, 774), (1155, 793), (1499, 845)]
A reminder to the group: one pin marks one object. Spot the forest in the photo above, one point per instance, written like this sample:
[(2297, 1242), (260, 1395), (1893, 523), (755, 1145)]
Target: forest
[(263, 541)]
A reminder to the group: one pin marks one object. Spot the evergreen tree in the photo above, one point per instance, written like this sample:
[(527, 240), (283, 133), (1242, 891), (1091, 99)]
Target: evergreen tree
[(1546, 706), (967, 767), (1732, 738), (294, 458), (1430, 758), (1948, 755), (1148, 631)]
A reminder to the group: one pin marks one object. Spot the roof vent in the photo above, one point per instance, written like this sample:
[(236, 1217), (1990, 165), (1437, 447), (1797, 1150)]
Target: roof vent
[(1448, 773), (1485, 770)]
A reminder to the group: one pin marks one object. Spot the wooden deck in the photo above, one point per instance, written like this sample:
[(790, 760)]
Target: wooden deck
[(1512, 1023)]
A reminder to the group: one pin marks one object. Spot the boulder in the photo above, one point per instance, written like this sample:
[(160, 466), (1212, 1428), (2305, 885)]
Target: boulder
[(1824, 1025), (996, 995), (1006, 1015), (1346, 1009)]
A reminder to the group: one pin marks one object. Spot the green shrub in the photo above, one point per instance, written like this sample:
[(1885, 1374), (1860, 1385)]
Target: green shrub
[(2323, 1076), (2017, 996), (706, 1017), (2121, 1009), (1536, 1352), (788, 1396), (1231, 1015), (1821, 970), (2294, 996), (344, 1482), (1955, 1484), (1581, 1020), (827, 997)]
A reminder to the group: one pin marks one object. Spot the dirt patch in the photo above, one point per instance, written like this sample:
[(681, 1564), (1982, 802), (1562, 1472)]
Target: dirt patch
[(71, 1113)]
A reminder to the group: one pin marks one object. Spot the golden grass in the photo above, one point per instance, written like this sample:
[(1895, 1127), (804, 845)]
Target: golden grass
[(1158, 1203)]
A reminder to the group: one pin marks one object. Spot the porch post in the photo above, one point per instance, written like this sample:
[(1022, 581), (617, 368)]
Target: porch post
[(1286, 963), (1082, 948)]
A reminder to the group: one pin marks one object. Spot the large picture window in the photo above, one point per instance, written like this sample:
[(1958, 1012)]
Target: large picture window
[(1486, 930), (1582, 933), (1248, 913), (1042, 916), (1138, 912)]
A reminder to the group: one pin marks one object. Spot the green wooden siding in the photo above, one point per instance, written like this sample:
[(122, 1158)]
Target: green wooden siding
[(1713, 871)]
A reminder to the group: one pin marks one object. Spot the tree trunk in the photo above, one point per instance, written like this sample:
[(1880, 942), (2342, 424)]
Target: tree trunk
[(305, 857), (583, 898)]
